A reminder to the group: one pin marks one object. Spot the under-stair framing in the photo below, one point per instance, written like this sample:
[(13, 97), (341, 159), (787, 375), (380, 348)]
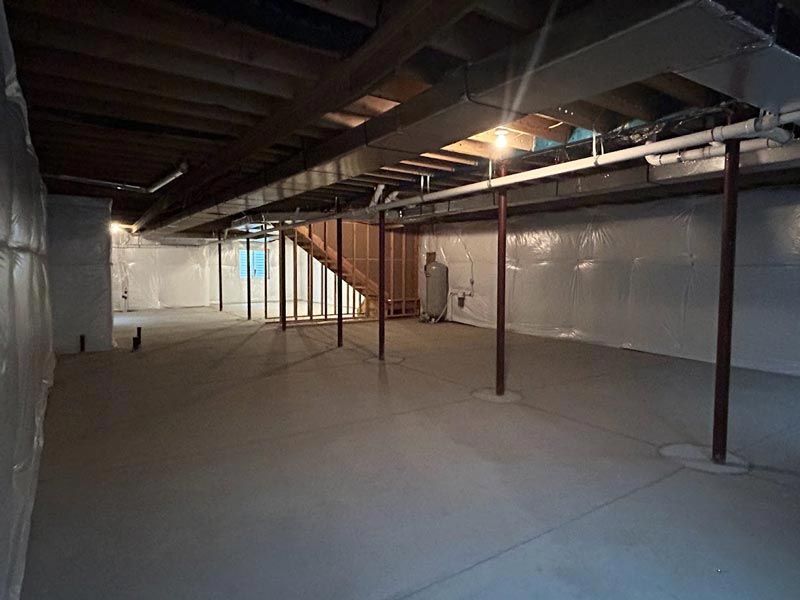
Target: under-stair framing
[(359, 271)]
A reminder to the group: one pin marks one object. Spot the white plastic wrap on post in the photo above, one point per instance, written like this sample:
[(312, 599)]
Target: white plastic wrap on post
[(26, 358), (80, 273), (640, 276)]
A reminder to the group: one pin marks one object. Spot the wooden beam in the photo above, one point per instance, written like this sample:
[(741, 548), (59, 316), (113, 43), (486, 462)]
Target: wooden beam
[(688, 92), (480, 149), (172, 25), (523, 15), (585, 115), (102, 93), (542, 127), (130, 112), (137, 79), (88, 41), (342, 120), (42, 122), (634, 101), (400, 87), (474, 37), (451, 158), (515, 139), (364, 12), (370, 106), (393, 43), (430, 164)]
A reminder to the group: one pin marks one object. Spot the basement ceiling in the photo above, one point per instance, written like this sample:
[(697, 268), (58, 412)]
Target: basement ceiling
[(251, 93)]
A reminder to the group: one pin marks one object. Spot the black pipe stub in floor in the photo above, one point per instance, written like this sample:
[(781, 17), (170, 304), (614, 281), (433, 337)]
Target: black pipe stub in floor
[(489, 395), (387, 360), (698, 458)]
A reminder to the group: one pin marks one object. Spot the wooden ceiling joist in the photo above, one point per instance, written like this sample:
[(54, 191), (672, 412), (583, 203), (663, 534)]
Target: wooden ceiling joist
[(166, 23), (390, 45), (52, 84), (137, 79), (87, 41), (133, 112)]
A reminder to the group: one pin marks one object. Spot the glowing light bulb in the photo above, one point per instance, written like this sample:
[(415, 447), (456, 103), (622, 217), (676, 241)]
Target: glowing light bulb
[(114, 227), (501, 137)]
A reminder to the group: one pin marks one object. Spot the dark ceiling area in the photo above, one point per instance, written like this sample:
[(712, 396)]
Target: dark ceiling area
[(249, 95)]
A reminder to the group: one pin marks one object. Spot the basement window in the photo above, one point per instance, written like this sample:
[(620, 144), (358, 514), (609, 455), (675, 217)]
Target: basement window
[(257, 264)]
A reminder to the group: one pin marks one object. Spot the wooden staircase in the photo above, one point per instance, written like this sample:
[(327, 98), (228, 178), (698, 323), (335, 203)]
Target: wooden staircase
[(326, 255)]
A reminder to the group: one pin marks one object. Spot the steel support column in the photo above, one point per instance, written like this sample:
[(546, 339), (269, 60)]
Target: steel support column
[(249, 295), (266, 271), (219, 267), (282, 277), (324, 269), (310, 273), (727, 266), (500, 357), (339, 305), (381, 284)]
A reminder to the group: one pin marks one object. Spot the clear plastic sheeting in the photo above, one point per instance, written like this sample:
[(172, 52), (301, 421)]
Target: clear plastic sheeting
[(642, 276), (147, 274), (80, 276), (234, 286), (26, 358)]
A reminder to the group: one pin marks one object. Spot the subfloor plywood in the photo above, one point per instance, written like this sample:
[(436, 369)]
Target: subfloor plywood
[(228, 459)]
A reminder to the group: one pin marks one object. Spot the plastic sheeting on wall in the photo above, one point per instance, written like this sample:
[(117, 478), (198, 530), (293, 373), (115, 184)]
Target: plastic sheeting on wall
[(234, 287), (80, 274), (641, 276), (147, 274), (26, 358)]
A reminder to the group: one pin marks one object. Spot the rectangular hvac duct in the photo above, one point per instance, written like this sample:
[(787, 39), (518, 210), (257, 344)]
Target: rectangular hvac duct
[(605, 45)]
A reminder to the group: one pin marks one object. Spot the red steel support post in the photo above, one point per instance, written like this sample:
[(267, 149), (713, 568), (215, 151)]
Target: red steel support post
[(339, 327), (500, 360), (727, 266), (381, 284), (282, 277)]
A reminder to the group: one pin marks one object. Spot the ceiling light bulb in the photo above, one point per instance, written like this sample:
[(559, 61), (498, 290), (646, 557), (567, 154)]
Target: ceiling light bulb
[(501, 137)]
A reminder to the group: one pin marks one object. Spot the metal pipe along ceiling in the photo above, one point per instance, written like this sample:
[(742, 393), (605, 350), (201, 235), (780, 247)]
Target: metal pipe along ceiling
[(592, 50), (744, 129), (752, 128)]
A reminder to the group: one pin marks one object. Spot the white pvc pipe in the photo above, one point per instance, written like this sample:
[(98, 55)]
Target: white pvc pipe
[(709, 152), (764, 128), (744, 129)]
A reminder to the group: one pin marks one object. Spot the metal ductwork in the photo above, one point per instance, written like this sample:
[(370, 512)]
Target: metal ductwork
[(604, 46), (647, 181), (766, 75)]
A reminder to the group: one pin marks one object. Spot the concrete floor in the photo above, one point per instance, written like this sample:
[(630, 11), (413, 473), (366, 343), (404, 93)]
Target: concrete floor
[(230, 460), (239, 309)]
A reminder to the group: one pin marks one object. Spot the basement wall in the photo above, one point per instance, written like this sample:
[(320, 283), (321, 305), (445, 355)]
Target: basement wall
[(147, 275), (154, 275), (642, 276), (80, 275), (26, 358)]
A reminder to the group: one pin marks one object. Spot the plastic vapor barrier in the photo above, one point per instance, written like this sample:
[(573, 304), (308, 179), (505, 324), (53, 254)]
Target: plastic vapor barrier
[(234, 286), (26, 358), (147, 274), (80, 274), (643, 276)]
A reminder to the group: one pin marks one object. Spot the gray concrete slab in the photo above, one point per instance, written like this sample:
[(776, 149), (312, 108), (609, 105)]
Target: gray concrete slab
[(227, 459)]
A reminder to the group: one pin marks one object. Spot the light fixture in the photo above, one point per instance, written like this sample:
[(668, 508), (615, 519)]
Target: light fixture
[(501, 137), (116, 227)]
